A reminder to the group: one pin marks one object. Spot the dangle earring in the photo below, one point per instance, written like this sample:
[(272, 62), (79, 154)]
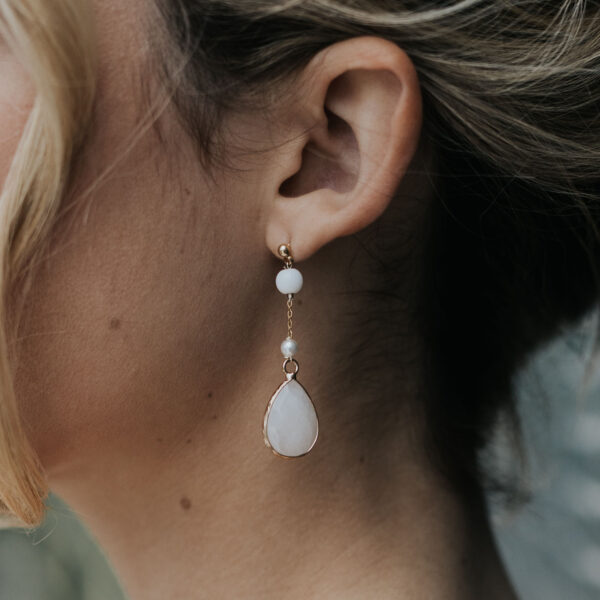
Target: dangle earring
[(290, 424)]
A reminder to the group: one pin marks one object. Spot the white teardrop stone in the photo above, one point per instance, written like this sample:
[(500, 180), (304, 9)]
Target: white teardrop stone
[(292, 426)]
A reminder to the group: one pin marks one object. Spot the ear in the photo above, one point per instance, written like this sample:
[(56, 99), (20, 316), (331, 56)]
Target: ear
[(362, 99)]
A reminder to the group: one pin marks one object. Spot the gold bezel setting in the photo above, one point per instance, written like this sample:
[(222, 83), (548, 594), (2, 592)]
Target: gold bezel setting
[(289, 378)]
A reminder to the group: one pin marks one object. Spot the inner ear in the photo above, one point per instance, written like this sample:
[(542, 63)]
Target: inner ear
[(330, 159)]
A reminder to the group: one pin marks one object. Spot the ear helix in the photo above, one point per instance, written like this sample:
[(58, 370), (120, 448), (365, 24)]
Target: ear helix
[(290, 424)]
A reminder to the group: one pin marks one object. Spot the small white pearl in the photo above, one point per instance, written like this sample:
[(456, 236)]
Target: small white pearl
[(289, 281), (289, 347)]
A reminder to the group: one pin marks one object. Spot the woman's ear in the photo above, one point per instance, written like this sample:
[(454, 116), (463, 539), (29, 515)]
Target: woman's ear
[(362, 98)]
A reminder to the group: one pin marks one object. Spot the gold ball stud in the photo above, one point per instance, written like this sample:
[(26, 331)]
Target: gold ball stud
[(285, 251)]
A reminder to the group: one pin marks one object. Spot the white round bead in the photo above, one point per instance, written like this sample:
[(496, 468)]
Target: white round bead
[(289, 281), (289, 347)]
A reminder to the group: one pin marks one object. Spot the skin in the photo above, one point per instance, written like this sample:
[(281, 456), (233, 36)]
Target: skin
[(150, 345)]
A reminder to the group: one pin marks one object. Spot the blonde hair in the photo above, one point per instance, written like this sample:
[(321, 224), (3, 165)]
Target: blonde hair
[(53, 40)]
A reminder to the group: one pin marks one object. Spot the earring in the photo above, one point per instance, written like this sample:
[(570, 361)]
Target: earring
[(290, 424)]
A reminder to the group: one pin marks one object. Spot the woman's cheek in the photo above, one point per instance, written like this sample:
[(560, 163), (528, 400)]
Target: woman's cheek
[(16, 100)]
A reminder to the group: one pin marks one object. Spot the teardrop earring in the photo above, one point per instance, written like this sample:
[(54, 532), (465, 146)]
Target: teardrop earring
[(290, 424)]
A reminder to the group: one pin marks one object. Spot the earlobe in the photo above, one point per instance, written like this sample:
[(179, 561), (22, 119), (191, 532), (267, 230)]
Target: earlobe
[(364, 99)]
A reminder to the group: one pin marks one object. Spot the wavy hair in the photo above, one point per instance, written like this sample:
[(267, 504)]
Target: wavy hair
[(53, 42)]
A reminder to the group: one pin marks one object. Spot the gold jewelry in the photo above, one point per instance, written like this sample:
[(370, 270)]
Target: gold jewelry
[(290, 423)]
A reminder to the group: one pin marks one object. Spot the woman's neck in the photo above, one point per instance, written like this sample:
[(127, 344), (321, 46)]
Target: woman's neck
[(212, 513)]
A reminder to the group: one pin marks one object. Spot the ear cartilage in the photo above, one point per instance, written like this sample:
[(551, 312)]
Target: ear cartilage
[(290, 423)]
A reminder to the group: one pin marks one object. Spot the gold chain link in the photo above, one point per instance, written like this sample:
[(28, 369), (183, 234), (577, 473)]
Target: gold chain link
[(289, 315), (289, 263)]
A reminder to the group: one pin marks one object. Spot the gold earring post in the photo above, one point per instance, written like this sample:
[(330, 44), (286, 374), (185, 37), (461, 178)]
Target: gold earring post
[(285, 252)]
